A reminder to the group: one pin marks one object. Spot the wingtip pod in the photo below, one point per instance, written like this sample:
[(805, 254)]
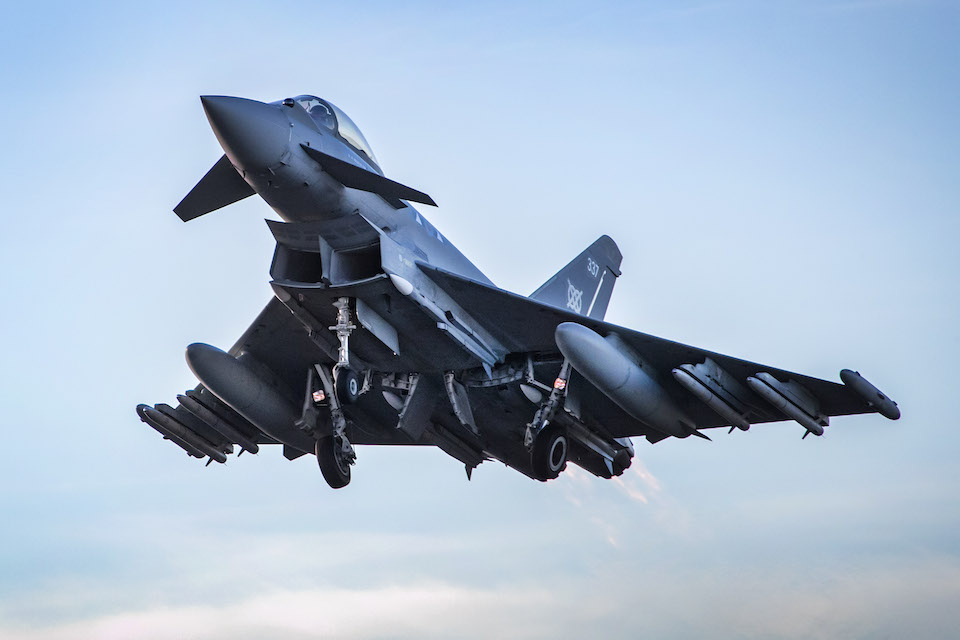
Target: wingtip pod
[(874, 397)]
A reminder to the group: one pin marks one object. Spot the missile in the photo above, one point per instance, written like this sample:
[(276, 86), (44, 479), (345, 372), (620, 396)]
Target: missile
[(610, 366), (217, 423), (196, 446), (874, 397), (193, 451), (774, 392), (248, 393), (710, 398)]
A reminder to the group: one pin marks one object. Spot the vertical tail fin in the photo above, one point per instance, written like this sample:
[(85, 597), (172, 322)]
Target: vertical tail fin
[(585, 285)]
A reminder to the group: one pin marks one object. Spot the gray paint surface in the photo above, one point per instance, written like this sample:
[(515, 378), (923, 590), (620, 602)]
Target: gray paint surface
[(732, 149), (426, 314)]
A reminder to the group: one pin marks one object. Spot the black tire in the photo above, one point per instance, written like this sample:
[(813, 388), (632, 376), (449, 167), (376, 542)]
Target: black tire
[(549, 456), (335, 470), (347, 385)]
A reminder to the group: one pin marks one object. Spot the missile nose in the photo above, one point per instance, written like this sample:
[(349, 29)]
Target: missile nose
[(254, 135)]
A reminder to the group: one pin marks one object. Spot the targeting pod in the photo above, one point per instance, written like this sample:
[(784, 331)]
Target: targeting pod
[(874, 397)]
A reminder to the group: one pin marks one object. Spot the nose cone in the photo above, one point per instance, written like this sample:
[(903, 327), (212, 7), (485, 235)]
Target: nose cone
[(253, 134)]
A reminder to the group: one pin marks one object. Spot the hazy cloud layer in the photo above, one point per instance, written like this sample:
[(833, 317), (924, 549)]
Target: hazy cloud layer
[(887, 599), (781, 178)]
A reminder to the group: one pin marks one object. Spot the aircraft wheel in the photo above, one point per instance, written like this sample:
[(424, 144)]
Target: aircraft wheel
[(347, 385), (549, 453), (334, 467)]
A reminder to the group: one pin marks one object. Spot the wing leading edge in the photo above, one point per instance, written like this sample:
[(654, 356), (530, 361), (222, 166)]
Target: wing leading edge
[(528, 326)]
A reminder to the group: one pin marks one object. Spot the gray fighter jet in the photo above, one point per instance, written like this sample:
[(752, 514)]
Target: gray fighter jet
[(382, 333)]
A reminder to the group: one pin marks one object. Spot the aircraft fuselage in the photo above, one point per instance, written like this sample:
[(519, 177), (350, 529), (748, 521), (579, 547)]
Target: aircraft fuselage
[(382, 332), (265, 144)]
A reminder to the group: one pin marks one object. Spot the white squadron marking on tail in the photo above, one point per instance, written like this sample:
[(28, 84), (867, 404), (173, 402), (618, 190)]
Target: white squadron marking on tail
[(574, 297)]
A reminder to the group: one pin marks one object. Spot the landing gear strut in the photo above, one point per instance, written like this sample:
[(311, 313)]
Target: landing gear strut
[(346, 382), (546, 441), (335, 454), (341, 386)]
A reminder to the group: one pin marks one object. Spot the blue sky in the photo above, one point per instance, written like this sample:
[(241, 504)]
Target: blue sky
[(781, 178)]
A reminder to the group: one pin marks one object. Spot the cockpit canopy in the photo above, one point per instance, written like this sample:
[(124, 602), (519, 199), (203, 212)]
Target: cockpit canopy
[(328, 116)]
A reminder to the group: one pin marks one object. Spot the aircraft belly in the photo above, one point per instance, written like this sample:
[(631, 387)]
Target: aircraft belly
[(501, 415), (373, 421), (424, 347)]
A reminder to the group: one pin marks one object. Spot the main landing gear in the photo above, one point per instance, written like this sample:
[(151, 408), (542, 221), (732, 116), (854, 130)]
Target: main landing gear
[(546, 440), (337, 387), (549, 453), (335, 455)]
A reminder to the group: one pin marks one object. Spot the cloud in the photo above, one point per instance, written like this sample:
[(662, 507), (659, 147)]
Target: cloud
[(887, 598), (892, 597), (416, 610)]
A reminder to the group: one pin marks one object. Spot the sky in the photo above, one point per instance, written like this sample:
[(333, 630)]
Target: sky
[(781, 178)]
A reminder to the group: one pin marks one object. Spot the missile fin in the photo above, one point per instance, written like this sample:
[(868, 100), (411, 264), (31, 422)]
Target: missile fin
[(697, 433)]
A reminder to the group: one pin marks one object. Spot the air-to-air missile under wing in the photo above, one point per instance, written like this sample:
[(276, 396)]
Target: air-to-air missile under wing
[(382, 332)]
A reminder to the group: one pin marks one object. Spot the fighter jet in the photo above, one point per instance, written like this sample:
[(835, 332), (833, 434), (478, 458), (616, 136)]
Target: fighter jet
[(381, 332)]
